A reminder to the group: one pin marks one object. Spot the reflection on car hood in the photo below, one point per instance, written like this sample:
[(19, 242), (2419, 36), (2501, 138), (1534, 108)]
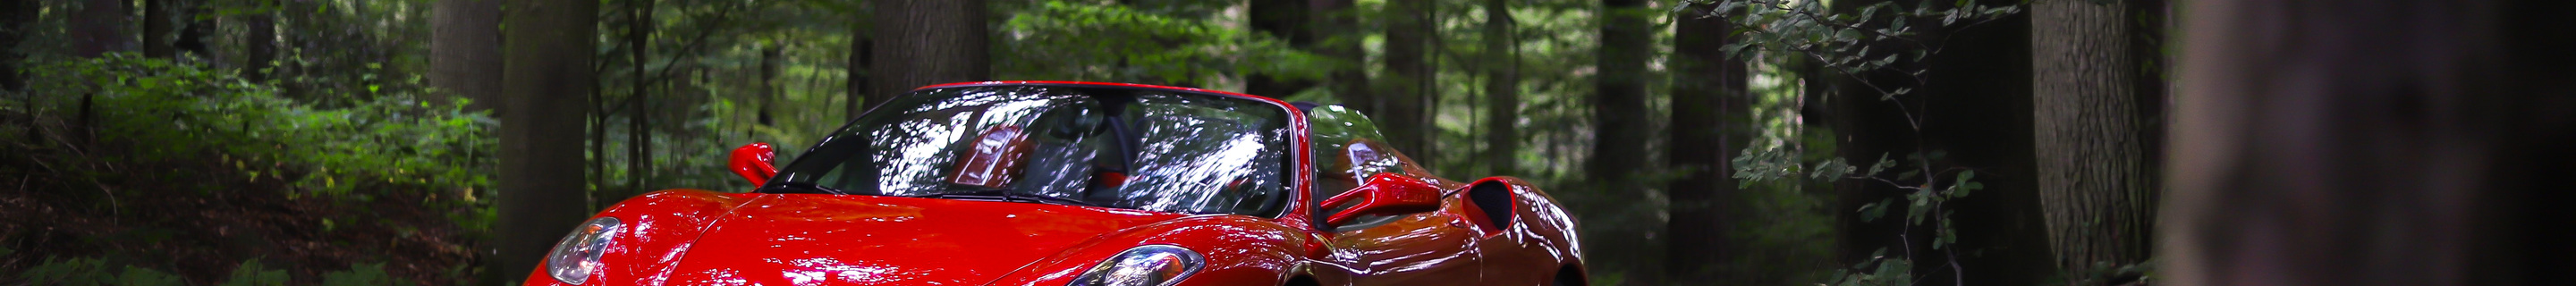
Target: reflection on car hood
[(812, 239)]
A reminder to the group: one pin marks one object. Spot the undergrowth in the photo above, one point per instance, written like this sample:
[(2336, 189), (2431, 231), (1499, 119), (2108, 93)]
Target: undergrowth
[(134, 171)]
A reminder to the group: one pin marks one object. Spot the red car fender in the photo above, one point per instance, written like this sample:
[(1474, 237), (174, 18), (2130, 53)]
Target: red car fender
[(1239, 250), (659, 227), (1538, 234), (1546, 225)]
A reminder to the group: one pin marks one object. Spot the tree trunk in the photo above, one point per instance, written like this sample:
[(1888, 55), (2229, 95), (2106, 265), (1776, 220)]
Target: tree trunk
[(2385, 142), (1337, 37), (16, 17), (768, 81), (639, 139), (1619, 119), (157, 25), (1709, 105), (546, 80), (192, 39), (465, 43), (1401, 111), (99, 28), (1619, 96), (1502, 91), (261, 51), (2093, 174), (1285, 20), (861, 46), (925, 42)]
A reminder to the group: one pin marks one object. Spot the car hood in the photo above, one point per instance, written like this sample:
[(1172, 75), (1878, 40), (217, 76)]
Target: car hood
[(813, 239)]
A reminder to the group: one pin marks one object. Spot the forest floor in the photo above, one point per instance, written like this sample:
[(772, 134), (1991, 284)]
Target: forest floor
[(201, 225)]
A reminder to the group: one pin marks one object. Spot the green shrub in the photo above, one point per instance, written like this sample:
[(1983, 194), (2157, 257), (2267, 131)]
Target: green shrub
[(387, 140), (94, 271)]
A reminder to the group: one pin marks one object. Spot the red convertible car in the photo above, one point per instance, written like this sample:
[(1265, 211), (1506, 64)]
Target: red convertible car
[(1071, 183)]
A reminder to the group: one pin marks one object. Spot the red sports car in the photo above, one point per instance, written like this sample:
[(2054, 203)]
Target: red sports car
[(1069, 183)]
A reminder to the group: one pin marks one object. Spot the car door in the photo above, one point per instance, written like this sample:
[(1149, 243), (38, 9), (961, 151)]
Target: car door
[(1426, 248), (1429, 248)]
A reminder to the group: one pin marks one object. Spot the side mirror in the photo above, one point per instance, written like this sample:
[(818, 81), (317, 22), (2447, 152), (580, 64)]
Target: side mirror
[(1386, 194), (752, 161)]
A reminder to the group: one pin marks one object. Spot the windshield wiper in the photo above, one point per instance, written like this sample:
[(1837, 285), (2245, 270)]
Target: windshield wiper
[(803, 188), (1009, 196)]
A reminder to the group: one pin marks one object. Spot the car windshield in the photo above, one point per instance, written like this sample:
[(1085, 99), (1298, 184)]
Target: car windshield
[(1144, 149)]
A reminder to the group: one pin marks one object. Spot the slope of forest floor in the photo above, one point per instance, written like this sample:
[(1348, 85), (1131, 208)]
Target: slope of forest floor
[(209, 218)]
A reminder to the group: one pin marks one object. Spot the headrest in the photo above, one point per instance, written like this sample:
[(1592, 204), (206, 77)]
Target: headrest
[(993, 159)]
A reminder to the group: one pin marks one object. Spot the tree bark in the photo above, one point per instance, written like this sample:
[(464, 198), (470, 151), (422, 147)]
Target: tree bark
[(925, 42), (1502, 91), (99, 28), (465, 43), (1708, 104), (1284, 20), (157, 25), (1619, 120), (1619, 96), (16, 17), (192, 38), (2094, 184), (1401, 111), (2386, 142), (639, 136), (769, 92), (261, 50), (546, 79), (862, 45)]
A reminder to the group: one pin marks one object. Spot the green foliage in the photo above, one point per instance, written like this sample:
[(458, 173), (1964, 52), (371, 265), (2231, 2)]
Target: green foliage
[(252, 273), (1843, 42), (359, 275), (1877, 38), (125, 124), (94, 271), (98, 271), (392, 139), (1074, 41), (1877, 270)]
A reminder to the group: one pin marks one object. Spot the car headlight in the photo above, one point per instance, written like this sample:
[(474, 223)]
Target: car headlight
[(577, 254), (1151, 265)]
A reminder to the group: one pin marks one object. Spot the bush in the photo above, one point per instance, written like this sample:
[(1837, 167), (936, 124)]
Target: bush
[(118, 145)]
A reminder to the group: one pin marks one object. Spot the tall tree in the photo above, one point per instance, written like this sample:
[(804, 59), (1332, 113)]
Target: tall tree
[(465, 43), (1285, 20), (1337, 37), (157, 25), (2383, 142), (1502, 90), (1401, 109), (862, 46), (546, 80), (192, 38), (1619, 113), (1619, 95), (2094, 182), (99, 28), (924, 42), (639, 143), (1709, 106), (261, 49), (16, 19)]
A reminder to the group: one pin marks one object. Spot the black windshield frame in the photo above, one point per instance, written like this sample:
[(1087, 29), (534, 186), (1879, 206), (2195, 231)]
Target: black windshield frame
[(1288, 127)]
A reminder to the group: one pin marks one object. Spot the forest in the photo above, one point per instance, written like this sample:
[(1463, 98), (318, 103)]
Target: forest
[(1696, 142)]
